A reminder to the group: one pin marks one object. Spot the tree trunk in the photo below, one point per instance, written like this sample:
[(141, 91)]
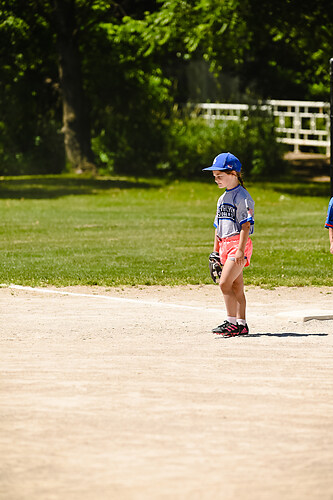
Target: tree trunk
[(76, 126)]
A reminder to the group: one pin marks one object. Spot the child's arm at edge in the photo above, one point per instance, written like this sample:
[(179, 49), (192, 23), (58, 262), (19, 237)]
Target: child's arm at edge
[(330, 235)]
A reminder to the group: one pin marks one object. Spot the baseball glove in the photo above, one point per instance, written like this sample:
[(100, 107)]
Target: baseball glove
[(215, 266)]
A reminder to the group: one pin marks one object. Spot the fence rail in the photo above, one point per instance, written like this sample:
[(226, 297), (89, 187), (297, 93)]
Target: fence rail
[(298, 123)]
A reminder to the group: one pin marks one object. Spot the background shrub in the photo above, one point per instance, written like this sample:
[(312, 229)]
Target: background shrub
[(192, 145)]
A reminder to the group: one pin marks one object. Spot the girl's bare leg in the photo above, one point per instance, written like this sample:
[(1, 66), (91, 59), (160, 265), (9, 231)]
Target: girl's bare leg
[(238, 288), (231, 284)]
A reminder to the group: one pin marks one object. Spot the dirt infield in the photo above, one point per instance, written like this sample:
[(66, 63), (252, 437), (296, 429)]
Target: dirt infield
[(125, 394)]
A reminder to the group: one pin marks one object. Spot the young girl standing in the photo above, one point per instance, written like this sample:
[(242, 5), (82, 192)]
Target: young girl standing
[(233, 223)]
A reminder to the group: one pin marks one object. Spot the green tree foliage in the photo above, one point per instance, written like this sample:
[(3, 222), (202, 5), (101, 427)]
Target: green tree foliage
[(29, 114), (130, 99), (289, 48), (76, 70), (71, 78), (278, 49)]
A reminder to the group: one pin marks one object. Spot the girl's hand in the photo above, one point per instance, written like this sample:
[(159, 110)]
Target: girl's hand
[(239, 257)]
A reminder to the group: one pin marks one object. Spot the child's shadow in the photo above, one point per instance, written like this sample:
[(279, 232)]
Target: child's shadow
[(287, 334)]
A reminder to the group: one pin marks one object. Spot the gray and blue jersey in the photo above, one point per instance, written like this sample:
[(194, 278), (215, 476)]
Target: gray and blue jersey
[(234, 208)]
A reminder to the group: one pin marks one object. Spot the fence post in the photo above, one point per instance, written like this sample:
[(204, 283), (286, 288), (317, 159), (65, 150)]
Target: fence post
[(297, 126), (331, 115)]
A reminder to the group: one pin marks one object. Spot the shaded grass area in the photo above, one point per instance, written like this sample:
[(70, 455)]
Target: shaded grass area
[(48, 187), (71, 230)]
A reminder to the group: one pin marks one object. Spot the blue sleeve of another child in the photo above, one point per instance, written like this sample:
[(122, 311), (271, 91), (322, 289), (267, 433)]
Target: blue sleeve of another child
[(329, 218)]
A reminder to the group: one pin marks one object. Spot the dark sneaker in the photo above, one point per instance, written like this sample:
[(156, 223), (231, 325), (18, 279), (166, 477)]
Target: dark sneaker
[(226, 329), (243, 329)]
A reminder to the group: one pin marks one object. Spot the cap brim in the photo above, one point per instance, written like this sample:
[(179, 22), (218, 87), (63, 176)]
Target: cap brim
[(213, 167)]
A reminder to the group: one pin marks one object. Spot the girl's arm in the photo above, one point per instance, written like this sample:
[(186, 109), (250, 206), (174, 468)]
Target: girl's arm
[(243, 237), (216, 243)]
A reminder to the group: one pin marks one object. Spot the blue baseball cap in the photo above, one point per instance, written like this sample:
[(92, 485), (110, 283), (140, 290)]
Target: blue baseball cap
[(225, 161)]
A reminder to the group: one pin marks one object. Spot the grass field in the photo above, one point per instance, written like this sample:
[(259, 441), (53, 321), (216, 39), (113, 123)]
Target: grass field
[(67, 230)]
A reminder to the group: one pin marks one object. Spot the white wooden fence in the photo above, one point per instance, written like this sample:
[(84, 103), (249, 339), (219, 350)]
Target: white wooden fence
[(298, 123)]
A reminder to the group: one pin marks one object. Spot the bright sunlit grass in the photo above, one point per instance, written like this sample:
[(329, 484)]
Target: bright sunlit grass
[(65, 230)]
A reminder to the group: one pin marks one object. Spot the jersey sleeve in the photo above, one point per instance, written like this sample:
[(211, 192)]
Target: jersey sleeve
[(329, 218), (245, 211)]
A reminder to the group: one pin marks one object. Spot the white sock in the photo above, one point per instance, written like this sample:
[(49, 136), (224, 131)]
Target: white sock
[(241, 322), (232, 320)]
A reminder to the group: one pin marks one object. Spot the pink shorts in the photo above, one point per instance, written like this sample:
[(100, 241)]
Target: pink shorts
[(228, 248)]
